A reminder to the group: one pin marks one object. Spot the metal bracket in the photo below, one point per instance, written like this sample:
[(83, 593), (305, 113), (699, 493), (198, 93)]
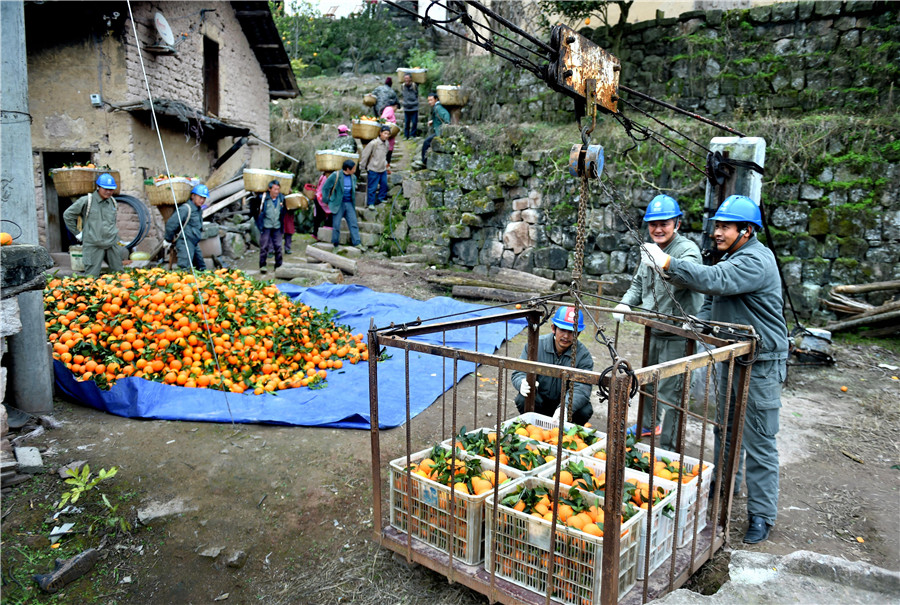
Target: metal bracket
[(583, 70)]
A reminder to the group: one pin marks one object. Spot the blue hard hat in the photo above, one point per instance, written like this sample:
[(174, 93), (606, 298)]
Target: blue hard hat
[(661, 208), (739, 209), (201, 190), (106, 181), (565, 318)]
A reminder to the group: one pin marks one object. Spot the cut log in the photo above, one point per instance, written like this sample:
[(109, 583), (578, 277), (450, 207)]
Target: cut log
[(863, 288), (293, 272), (490, 294), (850, 302), (859, 321), (450, 281), (344, 264), (524, 280)]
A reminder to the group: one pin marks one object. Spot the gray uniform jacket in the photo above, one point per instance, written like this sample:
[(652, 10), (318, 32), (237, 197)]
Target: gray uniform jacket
[(99, 226), (374, 156), (743, 288), (549, 389), (191, 218), (649, 290)]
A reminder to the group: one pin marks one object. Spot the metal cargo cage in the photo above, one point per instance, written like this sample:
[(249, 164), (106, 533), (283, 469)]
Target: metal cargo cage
[(720, 355)]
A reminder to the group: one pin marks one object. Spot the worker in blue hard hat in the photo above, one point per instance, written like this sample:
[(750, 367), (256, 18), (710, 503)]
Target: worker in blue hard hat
[(648, 291), (99, 234), (743, 288), (557, 348), (184, 229)]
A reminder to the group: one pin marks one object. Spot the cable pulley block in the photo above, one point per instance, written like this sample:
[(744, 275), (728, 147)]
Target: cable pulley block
[(586, 160)]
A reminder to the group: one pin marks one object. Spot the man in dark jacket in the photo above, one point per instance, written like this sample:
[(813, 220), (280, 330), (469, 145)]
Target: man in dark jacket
[(269, 214), (557, 348), (743, 288), (410, 93), (184, 229), (439, 117), (384, 96)]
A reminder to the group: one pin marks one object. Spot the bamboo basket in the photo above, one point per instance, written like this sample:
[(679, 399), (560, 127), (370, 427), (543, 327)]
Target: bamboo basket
[(70, 182), (160, 194), (296, 200), (256, 179), (369, 100), (395, 130), (418, 74), (454, 96), (365, 130), (329, 160)]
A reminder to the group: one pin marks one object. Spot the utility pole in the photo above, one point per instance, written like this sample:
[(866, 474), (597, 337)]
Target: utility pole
[(30, 370)]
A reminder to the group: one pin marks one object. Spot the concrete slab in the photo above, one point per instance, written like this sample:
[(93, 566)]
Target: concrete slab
[(800, 577), (156, 510), (29, 459)]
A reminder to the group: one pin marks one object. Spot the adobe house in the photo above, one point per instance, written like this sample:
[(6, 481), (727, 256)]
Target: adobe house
[(211, 82)]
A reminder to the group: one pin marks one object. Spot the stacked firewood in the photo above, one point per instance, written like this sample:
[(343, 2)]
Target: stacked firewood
[(882, 320)]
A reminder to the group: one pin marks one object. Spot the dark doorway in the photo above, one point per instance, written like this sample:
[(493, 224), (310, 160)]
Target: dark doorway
[(58, 237), (210, 77)]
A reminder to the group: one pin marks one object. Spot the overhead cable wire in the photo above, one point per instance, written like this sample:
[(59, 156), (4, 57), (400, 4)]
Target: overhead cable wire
[(196, 282)]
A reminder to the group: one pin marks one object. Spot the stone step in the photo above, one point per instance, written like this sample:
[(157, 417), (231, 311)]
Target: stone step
[(366, 239), (371, 226)]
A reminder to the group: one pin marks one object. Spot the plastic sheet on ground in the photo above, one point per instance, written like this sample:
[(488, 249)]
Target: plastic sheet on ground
[(344, 402)]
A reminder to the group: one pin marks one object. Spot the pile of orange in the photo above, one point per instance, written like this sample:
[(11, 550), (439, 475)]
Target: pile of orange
[(575, 438), (150, 323), (467, 477)]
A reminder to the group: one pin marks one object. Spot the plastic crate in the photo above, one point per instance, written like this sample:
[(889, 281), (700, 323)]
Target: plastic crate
[(423, 511), (522, 545), (661, 524), (546, 422), (487, 463), (690, 503)]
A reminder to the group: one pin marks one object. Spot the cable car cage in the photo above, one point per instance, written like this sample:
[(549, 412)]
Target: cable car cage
[(505, 554)]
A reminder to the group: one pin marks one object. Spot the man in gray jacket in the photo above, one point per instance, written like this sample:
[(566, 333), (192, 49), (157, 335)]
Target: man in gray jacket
[(99, 233), (189, 219), (648, 291), (743, 288), (374, 162), (557, 348)]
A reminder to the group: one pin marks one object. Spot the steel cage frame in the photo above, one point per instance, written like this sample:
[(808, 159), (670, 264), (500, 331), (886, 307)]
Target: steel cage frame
[(681, 566)]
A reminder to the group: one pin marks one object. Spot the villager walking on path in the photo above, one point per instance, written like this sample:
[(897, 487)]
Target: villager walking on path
[(339, 189), (268, 210), (410, 93), (374, 162), (344, 142), (99, 234), (385, 95)]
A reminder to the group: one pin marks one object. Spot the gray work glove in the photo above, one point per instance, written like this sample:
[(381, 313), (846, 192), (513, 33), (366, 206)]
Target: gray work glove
[(622, 308)]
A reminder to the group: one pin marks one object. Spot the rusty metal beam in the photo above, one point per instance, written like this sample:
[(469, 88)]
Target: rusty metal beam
[(416, 328), (692, 362), (578, 60)]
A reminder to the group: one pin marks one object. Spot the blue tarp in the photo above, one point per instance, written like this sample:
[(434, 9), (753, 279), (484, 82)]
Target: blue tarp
[(345, 401)]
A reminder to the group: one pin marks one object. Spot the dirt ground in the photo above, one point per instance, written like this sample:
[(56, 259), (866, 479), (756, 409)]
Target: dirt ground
[(297, 501)]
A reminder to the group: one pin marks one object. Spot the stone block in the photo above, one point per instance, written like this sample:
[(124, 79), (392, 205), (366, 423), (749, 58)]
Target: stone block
[(805, 246), (532, 216), (10, 320), (524, 261), (516, 237), (792, 272), (815, 270), (508, 179), (853, 247), (486, 179), (21, 264), (811, 192), (845, 271), (492, 253), (369, 240), (459, 232), (29, 460), (618, 261), (523, 168), (451, 198), (596, 263), (514, 216), (562, 236), (436, 255), (412, 189), (552, 257), (465, 253), (784, 12), (494, 192), (521, 203), (471, 220)]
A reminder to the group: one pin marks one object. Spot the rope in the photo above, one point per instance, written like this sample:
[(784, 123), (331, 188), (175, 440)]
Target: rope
[(162, 148)]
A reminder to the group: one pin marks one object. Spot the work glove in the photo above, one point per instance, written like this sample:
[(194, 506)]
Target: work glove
[(557, 412), (78, 236), (524, 388), (622, 308), (653, 256)]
